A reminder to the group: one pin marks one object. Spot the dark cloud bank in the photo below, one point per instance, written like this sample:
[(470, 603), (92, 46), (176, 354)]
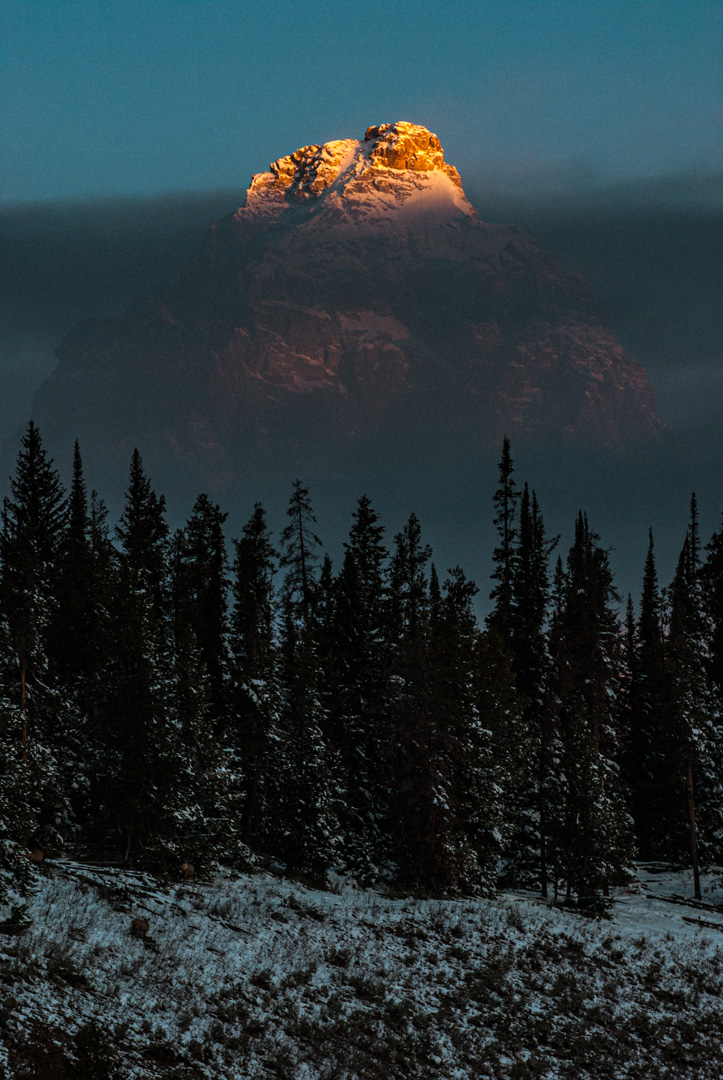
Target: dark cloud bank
[(651, 252)]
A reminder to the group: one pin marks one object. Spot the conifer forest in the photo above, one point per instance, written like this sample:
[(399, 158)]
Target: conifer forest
[(168, 698)]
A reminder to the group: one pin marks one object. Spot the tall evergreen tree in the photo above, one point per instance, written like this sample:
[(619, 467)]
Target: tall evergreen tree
[(311, 832), (300, 555), (33, 520), (143, 535), (645, 751), (79, 642), (409, 600), (527, 858), (505, 501), (359, 708), (505, 758), (70, 631), (477, 716), (140, 786), (253, 611), (693, 712), (593, 831), (200, 592), (255, 690), (711, 576), (423, 809)]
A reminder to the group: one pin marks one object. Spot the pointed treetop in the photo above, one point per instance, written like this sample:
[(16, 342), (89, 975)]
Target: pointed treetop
[(37, 509)]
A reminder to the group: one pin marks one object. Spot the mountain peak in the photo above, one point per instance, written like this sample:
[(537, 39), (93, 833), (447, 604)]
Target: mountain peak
[(408, 147), (354, 301), (394, 163)]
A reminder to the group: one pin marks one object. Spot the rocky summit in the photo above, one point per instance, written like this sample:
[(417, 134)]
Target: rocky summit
[(355, 293)]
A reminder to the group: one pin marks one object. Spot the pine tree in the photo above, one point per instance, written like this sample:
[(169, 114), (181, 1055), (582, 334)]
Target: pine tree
[(32, 526), (359, 709), (593, 834), (33, 520), (143, 535), (559, 590), (711, 576), (644, 754), (300, 556), (504, 760), (140, 785), (79, 642), (527, 858), (24, 767), (693, 712), (505, 501), (70, 635), (252, 617), (478, 717), (200, 595), (409, 600), (104, 588), (592, 839), (309, 809), (255, 691), (311, 840), (423, 804)]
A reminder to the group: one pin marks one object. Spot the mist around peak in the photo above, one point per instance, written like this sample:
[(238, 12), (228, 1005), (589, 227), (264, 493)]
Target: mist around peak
[(650, 252)]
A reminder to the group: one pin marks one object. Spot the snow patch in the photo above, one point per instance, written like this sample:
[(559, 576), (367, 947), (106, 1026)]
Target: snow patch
[(256, 977)]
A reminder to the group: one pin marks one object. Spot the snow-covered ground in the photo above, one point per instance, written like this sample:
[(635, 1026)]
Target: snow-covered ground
[(253, 976)]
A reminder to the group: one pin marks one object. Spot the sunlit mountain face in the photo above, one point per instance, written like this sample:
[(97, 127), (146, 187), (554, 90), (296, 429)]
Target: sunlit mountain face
[(355, 301)]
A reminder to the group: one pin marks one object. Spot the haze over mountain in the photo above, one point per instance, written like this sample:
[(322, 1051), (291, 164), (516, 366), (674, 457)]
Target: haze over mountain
[(648, 252), (356, 296)]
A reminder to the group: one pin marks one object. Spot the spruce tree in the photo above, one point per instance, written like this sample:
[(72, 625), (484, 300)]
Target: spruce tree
[(24, 769), (711, 576), (140, 784), (477, 718), (505, 500), (143, 536), (645, 751), (33, 521), (300, 555), (309, 808), (693, 714), (505, 758), (79, 640), (423, 800), (70, 635), (359, 704), (527, 857), (253, 731), (592, 832), (200, 595)]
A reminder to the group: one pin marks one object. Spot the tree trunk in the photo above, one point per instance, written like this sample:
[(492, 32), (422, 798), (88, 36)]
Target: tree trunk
[(23, 700), (543, 854), (248, 808), (693, 835), (542, 793), (304, 578)]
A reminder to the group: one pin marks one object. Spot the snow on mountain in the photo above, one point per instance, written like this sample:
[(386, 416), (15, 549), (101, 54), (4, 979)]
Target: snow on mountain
[(348, 183)]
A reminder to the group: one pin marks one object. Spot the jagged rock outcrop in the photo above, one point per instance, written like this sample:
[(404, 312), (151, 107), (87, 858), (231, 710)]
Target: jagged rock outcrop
[(355, 293)]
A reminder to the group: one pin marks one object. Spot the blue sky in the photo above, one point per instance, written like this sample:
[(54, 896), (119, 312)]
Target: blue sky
[(107, 97)]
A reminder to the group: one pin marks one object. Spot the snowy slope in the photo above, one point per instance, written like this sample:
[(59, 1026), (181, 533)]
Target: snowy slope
[(252, 976), (396, 179)]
